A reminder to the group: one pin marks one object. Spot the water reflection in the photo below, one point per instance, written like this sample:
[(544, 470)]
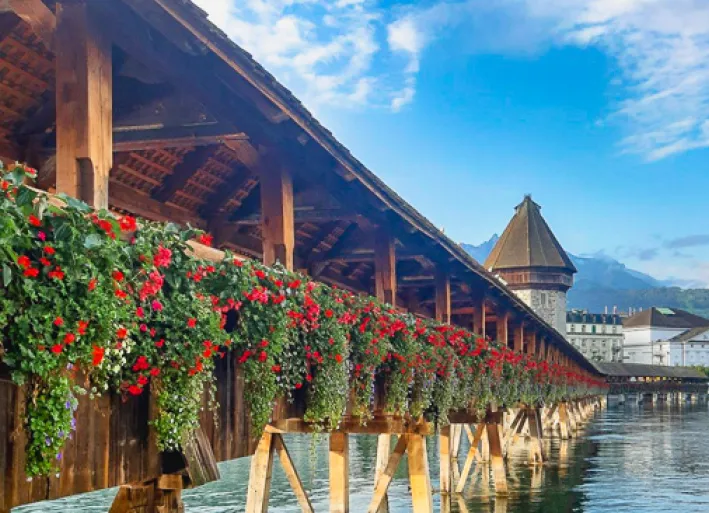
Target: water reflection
[(651, 458)]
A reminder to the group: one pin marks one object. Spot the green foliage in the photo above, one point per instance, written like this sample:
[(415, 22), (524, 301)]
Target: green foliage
[(124, 307)]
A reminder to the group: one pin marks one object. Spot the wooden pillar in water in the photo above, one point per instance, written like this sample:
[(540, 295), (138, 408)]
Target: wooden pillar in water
[(497, 461), (84, 100), (419, 477), (385, 287), (339, 473), (277, 219), (260, 475)]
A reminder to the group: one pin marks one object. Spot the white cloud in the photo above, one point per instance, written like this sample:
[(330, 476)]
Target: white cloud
[(660, 47), (326, 51)]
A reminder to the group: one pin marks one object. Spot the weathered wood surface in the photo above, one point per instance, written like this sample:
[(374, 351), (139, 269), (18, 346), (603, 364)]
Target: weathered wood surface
[(112, 444)]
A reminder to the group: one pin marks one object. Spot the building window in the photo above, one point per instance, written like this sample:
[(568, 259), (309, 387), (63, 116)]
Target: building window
[(571, 328), (544, 299), (593, 329), (613, 329), (583, 328)]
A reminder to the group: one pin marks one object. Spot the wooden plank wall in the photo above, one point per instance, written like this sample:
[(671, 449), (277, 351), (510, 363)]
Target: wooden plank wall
[(112, 444)]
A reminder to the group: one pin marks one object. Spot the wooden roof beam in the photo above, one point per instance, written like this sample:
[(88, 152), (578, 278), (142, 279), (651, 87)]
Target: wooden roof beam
[(319, 263), (317, 216), (8, 21), (39, 18), (182, 173)]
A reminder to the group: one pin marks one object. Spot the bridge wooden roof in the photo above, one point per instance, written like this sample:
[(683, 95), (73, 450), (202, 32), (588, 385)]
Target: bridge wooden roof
[(638, 370), (196, 118)]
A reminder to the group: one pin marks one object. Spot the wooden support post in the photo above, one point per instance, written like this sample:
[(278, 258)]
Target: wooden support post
[(484, 447), (445, 460), (502, 328), (456, 434), (84, 99), (339, 473), (385, 288), (385, 477), (519, 338), (385, 266), (472, 452), (497, 462), (479, 319), (419, 477), (277, 219), (260, 475), (541, 349), (443, 296), (564, 421), (383, 444), (292, 474), (534, 417), (532, 343)]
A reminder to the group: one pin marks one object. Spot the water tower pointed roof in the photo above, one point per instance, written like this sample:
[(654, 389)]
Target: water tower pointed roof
[(528, 242)]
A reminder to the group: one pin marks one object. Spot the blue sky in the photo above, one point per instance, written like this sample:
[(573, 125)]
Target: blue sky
[(598, 108)]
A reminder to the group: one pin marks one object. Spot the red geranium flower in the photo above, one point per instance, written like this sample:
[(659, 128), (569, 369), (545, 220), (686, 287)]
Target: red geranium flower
[(31, 272), (34, 220), (121, 333), (127, 224), (160, 343), (56, 273), (276, 368), (45, 262), (154, 371), (57, 348), (163, 257), (120, 294), (206, 239), (191, 322), (135, 390), (24, 261), (42, 236), (49, 250), (58, 321), (142, 380), (92, 284), (263, 356), (82, 327), (98, 353), (117, 275), (156, 306), (69, 338), (139, 312)]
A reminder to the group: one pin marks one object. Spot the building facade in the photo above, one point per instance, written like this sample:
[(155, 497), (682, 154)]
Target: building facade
[(532, 263), (666, 336), (598, 336)]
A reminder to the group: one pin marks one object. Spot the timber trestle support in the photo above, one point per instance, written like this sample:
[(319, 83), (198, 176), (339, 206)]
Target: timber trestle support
[(489, 441)]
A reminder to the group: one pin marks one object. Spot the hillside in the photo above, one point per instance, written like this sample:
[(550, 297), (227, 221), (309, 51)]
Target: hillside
[(604, 282)]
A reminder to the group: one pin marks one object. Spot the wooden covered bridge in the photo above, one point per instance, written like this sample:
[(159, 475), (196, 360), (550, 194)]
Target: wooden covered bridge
[(655, 381), (145, 107)]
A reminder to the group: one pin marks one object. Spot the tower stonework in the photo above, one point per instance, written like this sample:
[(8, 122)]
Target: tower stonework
[(533, 264)]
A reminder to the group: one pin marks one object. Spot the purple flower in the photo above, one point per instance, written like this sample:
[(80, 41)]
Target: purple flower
[(59, 456), (61, 434), (69, 366), (67, 405), (48, 441), (73, 424)]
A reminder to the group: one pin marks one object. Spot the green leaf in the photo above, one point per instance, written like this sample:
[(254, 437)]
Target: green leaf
[(93, 241), (75, 203), (6, 275), (25, 196)]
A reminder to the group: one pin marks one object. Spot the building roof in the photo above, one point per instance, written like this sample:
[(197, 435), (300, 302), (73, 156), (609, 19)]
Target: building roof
[(591, 318), (639, 370), (528, 242), (665, 318), (690, 334)]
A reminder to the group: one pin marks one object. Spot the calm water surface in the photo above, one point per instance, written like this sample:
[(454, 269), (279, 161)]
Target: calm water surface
[(639, 459)]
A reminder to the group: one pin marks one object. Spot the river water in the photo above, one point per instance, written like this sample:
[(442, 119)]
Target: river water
[(628, 458)]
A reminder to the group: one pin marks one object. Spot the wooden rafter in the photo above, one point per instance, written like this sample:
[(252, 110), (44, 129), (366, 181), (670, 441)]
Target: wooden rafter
[(236, 181), (191, 163), (8, 21), (39, 18), (320, 261)]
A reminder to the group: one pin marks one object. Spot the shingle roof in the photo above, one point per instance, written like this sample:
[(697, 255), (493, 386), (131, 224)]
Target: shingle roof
[(651, 371), (671, 318), (528, 242), (689, 334)]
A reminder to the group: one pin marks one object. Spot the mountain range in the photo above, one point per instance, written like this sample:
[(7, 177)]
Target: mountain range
[(603, 282)]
